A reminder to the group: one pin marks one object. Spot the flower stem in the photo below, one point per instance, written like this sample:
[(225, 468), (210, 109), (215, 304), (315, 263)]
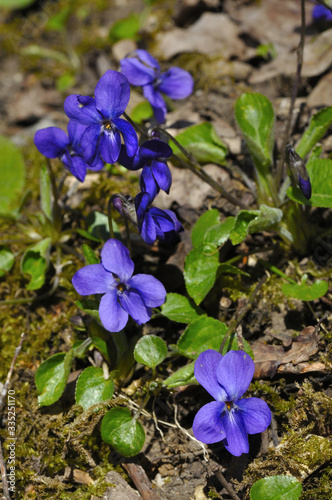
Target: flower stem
[(110, 219)]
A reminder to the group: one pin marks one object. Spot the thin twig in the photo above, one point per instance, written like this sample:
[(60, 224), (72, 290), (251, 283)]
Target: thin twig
[(297, 79), (226, 484), (5, 489), (235, 323), (9, 376)]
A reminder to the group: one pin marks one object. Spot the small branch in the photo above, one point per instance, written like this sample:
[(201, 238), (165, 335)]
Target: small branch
[(138, 475), (9, 376), (285, 139), (235, 323), (221, 478), (4, 476)]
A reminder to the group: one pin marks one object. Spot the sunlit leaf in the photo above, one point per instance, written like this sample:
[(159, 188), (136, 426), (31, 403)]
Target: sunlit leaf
[(276, 488), (121, 431), (182, 376), (319, 124), (92, 388), (51, 377), (254, 221), (181, 309), (305, 291), (12, 174), (35, 262), (200, 271), (150, 351), (6, 260), (204, 333), (320, 173)]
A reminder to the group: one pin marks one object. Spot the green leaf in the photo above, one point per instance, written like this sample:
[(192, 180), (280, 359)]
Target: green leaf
[(121, 431), (91, 307), (98, 226), (209, 229), (204, 333), (150, 351), (320, 173), (126, 28), (203, 143), (228, 268), (276, 488), (180, 309), (200, 271), (12, 173), (142, 112), (43, 52), (255, 117), (92, 388), (318, 127), (89, 255), (253, 221), (305, 291), (15, 4), (232, 344), (6, 260), (101, 345), (35, 262), (51, 377), (46, 192), (183, 376)]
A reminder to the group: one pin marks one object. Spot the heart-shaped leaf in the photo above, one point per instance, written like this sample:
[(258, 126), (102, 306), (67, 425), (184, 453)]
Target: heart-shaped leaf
[(92, 388), (123, 432), (200, 271), (181, 309), (276, 488), (150, 351), (183, 376), (51, 377), (305, 291), (204, 333)]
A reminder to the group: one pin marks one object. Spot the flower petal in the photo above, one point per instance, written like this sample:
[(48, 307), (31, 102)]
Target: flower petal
[(154, 149), (154, 97), (236, 441), (51, 142), (206, 373), (129, 162), (153, 292), (142, 202), (129, 135), (112, 94), (162, 219), (148, 184), (82, 109), (76, 165), (113, 317), (132, 302), (255, 413), (92, 279), (110, 144), (177, 225), (162, 174), (208, 423), (75, 132), (146, 58), (305, 187), (137, 72), (148, 230), (116, 259), (176, 83), (234, 373), (90, 145)]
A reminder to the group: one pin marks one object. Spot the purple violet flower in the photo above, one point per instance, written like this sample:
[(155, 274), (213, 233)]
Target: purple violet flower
[(153, 222), (100, 114), (228, 419), (321, 13), (53, 142), (124, 295), (150, 156), (299, 171), (143, 70)]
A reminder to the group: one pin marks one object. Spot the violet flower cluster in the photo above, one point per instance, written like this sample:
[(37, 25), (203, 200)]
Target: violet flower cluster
[(230, 418), (97, 134)]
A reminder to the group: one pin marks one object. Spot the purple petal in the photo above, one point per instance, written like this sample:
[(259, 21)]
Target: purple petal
[(76, 165), (177, 225), (110, 144), (255, 413), (75, 132), (147, 58), (82, 109), (90, 145), (112, 94), (137, 72), (148, 230), (148, 184), (305, 187), (208, 423), (98, 166), (152, 292), (235, 373), (51, 142), (132, 302), (162, 174), (321, 13), (236, 436), (154, 97), (162, 219), (206, 373), (176, 83), (154, 149), (130, 162), (116, 259), (92, 279), (129, 135), (113, 317), (142, 202)]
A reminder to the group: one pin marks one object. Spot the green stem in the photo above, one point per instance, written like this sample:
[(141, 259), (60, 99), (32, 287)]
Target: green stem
[(277, 271), (57, 217), (110, 219), (142, 406)]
